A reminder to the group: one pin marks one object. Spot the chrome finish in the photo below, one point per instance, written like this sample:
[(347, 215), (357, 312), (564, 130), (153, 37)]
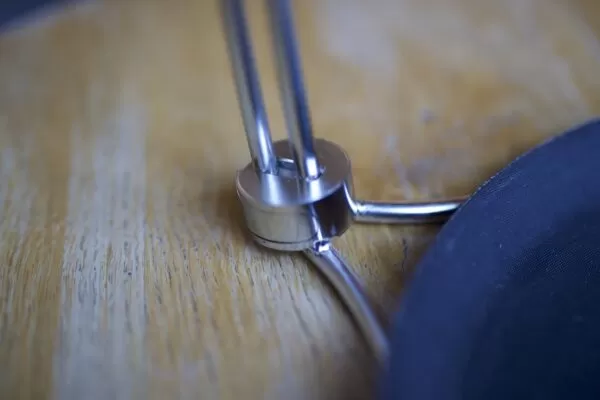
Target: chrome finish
[(247, 85), (371, 212), (285, 212), (297, 194), (291, 87), (338, 273)]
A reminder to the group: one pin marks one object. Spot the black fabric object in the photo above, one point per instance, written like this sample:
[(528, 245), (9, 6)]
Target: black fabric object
[(11, 10), (505, 303)]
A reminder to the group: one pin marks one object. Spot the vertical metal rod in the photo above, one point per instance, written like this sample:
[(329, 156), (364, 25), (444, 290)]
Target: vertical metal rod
[(248, 86), (334, 267), (292, 91)]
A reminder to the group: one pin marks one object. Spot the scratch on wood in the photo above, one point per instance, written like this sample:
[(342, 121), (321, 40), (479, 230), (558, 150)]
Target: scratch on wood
[(192, 284), (102, 319), (16, 199), (404, 254)]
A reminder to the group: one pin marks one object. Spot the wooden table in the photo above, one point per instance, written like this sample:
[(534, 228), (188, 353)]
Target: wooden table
[(124, 268)]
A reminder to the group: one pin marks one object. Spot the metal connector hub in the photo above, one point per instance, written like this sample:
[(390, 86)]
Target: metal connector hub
[(297, 194), (286, 212)]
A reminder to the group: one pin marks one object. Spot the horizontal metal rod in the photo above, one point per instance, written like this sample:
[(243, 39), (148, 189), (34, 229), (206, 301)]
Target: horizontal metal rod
[(340, 276), (404, 213), (247, 84)]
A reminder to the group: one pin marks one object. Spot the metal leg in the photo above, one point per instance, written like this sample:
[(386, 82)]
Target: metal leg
[(338, 273), (248, 86), (371, 212), (291, 86)]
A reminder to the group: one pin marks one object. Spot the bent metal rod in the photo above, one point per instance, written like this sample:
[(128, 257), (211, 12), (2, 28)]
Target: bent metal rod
[(297, 193)]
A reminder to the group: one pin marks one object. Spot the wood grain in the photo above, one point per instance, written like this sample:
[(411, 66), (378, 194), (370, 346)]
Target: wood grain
[(124, 268)]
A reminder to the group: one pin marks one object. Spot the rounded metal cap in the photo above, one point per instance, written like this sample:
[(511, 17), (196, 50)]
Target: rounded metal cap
[(286, 212)]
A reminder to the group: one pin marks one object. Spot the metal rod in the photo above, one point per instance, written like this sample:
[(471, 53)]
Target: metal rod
[(248, 86), (292, 91), (336, 270), (402, 213)]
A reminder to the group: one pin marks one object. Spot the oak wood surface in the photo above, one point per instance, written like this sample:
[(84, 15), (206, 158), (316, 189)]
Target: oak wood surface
[(124, 268)]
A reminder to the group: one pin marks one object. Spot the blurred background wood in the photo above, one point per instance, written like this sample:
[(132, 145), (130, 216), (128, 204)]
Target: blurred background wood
[(124, 268)]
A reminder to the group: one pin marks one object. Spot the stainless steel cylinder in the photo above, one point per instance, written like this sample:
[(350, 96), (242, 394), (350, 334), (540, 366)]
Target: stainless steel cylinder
[(292, 89), (284, 211), (297, 193), (247, 85)]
